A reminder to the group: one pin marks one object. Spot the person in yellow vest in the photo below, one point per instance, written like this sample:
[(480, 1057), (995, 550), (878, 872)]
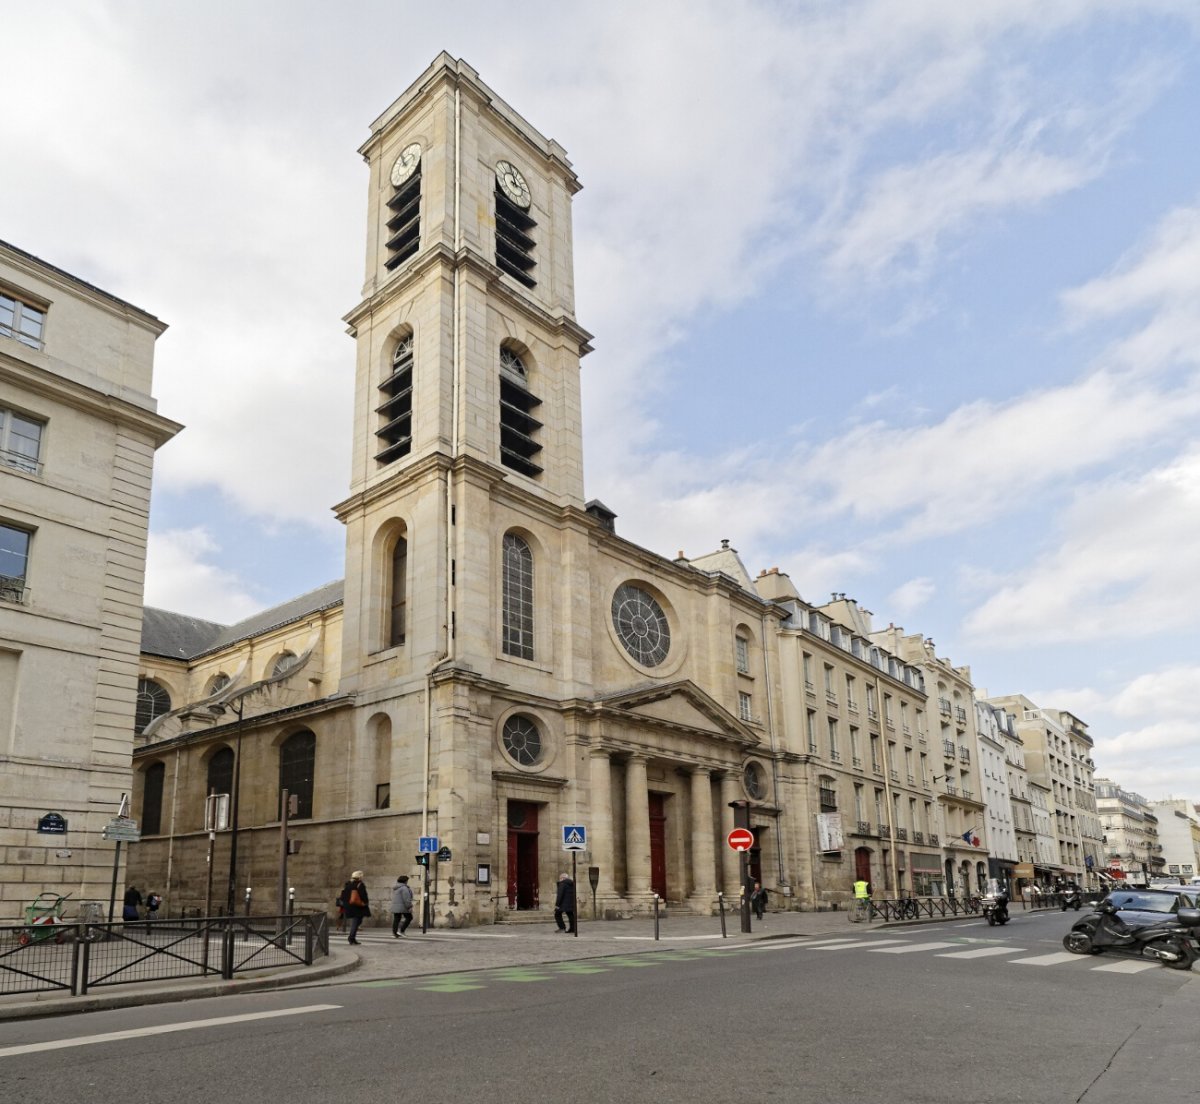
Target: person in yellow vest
[(862, 890)]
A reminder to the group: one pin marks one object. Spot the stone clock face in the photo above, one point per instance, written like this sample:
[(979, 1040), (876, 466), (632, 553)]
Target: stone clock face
[(641, 625), (512, 183), (406, 164)]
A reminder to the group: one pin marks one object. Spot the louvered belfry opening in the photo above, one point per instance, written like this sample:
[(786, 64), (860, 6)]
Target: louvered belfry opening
[(395, 412), (514, 246), (518, 426), (405, 224)]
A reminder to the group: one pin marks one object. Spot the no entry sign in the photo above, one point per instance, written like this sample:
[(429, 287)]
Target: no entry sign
[(741, 839)]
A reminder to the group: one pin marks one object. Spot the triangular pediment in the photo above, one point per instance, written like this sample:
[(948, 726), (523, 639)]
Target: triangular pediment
[(683, 706)]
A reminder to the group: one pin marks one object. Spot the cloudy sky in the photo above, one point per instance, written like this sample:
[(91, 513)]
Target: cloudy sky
[(901, 297)]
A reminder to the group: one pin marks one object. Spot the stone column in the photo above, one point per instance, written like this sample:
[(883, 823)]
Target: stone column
[(600, 830), (637, 828), (704, 873), (731, 868)]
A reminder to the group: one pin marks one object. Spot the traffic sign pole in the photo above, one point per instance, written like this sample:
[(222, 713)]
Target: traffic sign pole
[(575, 888)]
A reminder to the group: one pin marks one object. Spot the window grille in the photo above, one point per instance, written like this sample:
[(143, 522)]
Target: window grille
[(153, 701)]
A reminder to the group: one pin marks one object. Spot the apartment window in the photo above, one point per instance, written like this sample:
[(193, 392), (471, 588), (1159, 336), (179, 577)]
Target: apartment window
[(397, 592), (876, 765), (14, 562), (514, 246), (833, 739), (855, 751), (807, 663), (830, 692), (297, 764), (20, 440), (383, 795), (859, 807), (872, 707), (517, 597), (851, 700), (404, 224), (827, 793), (811, 728), (395, 409), (21, 320), (518, 426), (744, 706), (741, 647), (153, 700)]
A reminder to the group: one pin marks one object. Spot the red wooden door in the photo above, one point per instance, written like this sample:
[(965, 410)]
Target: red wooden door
[(522, 887), (658, 845)]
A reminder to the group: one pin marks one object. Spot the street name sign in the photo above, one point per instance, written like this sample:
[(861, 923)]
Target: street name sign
[(443, 854), (741, 839), (574, 837), (122, 829)]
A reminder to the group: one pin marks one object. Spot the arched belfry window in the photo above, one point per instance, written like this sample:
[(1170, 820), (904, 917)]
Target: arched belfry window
[(153, 701), (297, 762), (395, 408), (518, 426), (404, 223), (397, 592), (518, 597)]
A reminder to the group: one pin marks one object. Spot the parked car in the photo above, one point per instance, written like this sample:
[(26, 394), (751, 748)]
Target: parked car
[(1148, 906)]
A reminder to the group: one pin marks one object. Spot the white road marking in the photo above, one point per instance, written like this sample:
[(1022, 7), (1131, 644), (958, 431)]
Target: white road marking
[(910, 950), (860, 943), (160, 1029), (671, 938), (983, 952), (1127, 967), (1049, 959)]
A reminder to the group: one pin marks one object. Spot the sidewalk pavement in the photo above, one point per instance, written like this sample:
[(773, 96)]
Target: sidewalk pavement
[(379, 956)]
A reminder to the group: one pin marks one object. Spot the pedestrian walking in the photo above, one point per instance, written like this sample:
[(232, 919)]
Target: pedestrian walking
[(133, 902), (153, 900), (402, 906), (758, 900), (564, 904), (356, 904)]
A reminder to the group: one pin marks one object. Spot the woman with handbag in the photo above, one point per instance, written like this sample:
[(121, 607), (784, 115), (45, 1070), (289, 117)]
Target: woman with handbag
[(355, 903)]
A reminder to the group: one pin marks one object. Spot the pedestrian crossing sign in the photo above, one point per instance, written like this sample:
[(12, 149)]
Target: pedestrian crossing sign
[(574, 837)]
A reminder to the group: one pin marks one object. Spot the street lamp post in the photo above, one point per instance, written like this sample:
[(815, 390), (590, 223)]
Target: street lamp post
[(238, 707)]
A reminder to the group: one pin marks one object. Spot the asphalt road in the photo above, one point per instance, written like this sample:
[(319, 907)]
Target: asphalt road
[(957, 1012)]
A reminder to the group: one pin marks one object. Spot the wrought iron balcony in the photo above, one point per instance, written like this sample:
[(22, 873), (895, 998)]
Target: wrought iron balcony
[(863, 828), (901, 833), (885, 831), (934, 840)]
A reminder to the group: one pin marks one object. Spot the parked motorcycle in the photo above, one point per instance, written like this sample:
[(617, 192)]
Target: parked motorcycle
[(1175, 942), (995, 908), (1072, 898)]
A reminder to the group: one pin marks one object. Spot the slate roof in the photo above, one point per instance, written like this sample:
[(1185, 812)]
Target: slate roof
[(178, 636), (175, 635)]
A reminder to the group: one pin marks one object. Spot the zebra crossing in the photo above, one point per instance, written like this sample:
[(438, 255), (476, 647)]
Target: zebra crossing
[(1015, 955)]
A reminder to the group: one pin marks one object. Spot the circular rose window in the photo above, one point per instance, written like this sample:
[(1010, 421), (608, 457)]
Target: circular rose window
[(522, 740), (755, 779), (641, 625)]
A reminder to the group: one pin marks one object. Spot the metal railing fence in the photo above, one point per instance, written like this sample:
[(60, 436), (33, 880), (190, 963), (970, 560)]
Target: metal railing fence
[(75, 958)]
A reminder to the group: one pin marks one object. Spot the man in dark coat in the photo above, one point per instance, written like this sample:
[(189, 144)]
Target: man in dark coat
[(564, 904), (355, 903)]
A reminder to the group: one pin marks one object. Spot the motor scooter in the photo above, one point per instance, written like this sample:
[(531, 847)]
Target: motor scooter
[(1072, 898), (995, 908), (1175, 942)]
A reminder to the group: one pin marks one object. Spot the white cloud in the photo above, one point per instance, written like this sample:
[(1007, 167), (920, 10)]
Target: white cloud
[(181, 575), (1122, 568), (911, 596)]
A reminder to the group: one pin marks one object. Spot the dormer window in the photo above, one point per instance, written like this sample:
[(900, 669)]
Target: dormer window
[(404, 225), (395, 411), (514, 246), (518, 426)]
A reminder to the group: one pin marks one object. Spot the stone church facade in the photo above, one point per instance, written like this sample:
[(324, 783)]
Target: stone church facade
[(498, 661)]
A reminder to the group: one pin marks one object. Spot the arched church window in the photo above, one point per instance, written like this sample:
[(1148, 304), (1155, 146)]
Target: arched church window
[(641, 625), (152, 798), (283, 664), (404, 223), (297, 763), (397, 604), (518, 427), (216, 684), (153, 701), (517, 597), (220, 773), (395, 408)]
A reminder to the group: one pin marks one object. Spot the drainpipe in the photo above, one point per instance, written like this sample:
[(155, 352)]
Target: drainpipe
[(171, 836), (887, 781)]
